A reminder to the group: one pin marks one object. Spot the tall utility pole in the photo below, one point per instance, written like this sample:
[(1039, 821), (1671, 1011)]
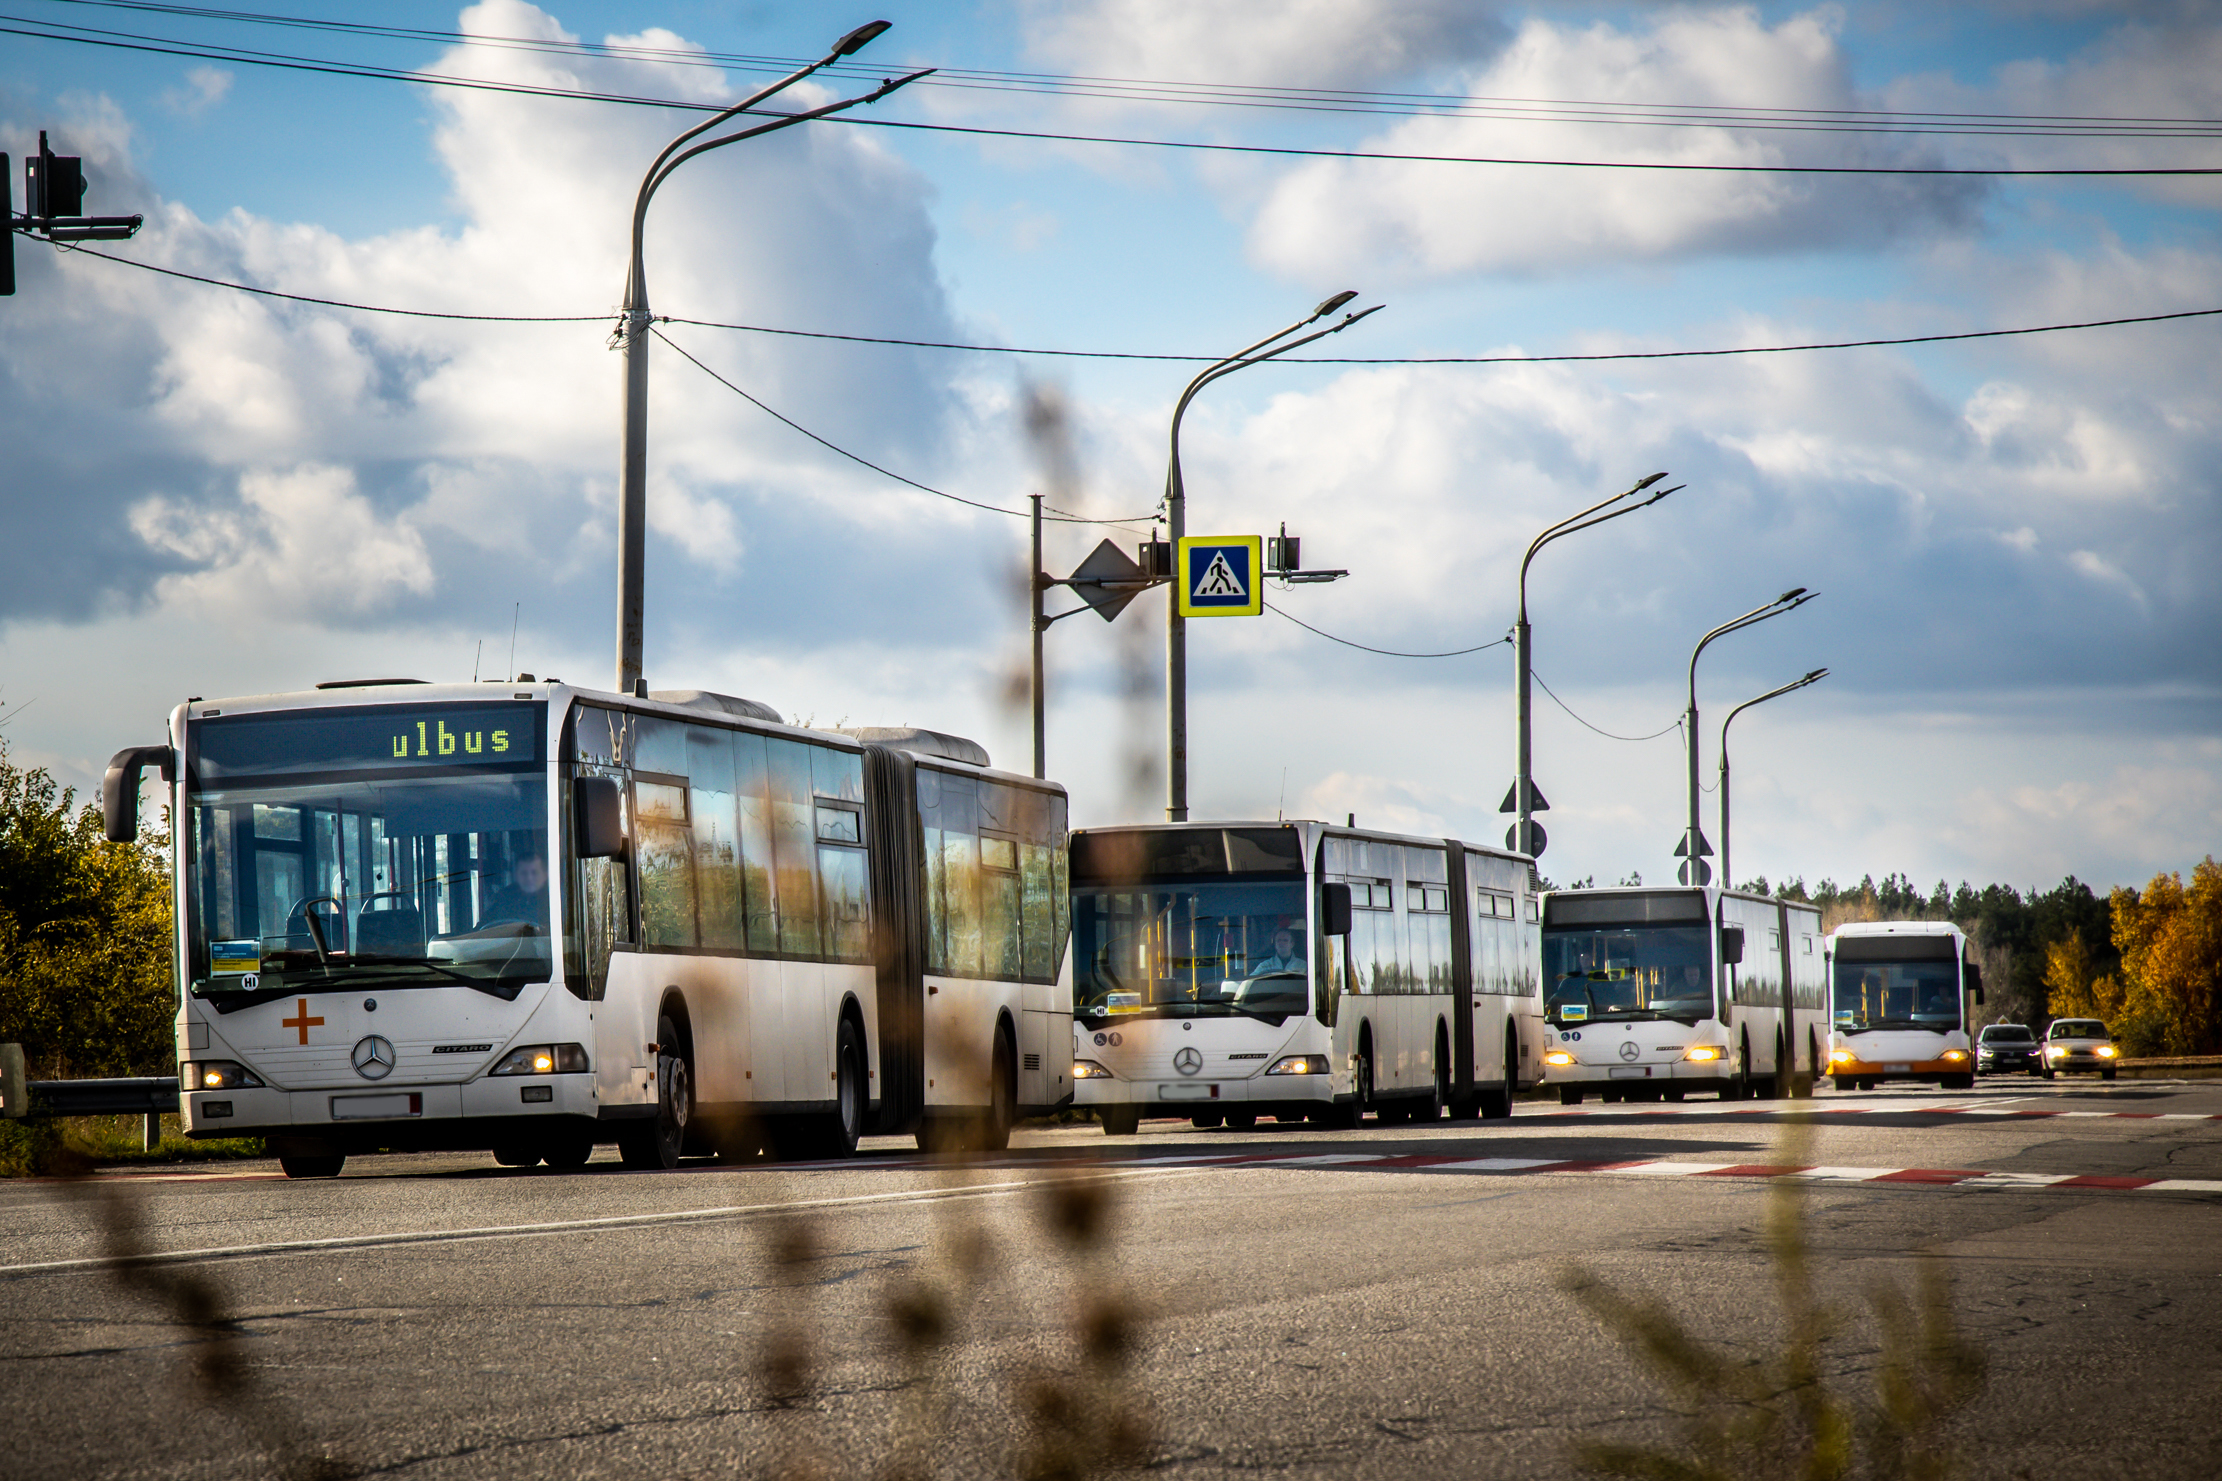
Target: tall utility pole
[(1176, 526), (1526, 835), (1036, 626), (1728, 877), (1693, 848), (632, 517)]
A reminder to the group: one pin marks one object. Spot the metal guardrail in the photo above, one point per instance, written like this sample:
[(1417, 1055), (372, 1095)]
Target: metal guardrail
[(23, 1099)]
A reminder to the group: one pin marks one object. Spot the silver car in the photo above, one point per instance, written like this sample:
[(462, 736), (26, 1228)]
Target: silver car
[(2079, 1044)]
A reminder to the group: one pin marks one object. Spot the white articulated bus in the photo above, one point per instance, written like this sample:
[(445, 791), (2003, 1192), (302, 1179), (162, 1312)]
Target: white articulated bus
[(1227, 971), (1650, 994), (1899, 995), (529, 919)]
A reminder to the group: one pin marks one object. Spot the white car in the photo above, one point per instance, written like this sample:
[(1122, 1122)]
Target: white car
[(2074, 1044)]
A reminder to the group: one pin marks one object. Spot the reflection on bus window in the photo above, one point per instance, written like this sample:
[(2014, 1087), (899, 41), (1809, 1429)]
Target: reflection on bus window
[(1871, 995), (1622, 973), (1207, 950)]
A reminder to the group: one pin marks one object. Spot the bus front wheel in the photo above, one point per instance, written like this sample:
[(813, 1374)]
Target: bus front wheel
[(654, 1142), (1569, 1095), (1121, 1120)]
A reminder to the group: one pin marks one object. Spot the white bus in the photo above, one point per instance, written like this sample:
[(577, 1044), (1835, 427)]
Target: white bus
[(1227, 971), (531, 919), (1650, 994), (1899, 995)]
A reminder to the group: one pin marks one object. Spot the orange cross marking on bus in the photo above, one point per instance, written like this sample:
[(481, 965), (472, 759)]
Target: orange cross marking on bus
[(304, 1023)]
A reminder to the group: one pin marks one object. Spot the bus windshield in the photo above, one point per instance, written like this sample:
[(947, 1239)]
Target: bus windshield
[(1199, 950), (1626, 973), (318, 859), (1897, 995)]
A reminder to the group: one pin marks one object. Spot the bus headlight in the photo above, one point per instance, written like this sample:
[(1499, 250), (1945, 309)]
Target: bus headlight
[(220, 1074), (1559, 1057), (1954, 1056), (1301, 1064), (1088, 1069), (543, 1059), (1705, 1053), (1841, 1056)]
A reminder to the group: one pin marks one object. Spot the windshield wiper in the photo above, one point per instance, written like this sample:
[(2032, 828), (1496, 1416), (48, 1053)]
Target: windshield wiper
[(480, 983)]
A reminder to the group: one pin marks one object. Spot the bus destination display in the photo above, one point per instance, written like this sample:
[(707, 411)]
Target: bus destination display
[(371, 738)]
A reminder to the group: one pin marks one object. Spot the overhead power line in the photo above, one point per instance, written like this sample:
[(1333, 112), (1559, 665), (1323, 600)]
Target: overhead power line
[(165, 46), (1361, 102), (1384, 652), (1058, 516), (979, 349), (1608, 735)]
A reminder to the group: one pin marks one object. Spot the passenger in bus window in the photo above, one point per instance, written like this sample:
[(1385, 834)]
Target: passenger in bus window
[(525, 897)]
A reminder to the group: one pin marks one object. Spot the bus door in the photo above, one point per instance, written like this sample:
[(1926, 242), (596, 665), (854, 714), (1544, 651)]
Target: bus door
[(1463, 985)]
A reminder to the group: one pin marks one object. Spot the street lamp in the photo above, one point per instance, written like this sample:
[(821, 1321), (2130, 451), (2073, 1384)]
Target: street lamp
[(1728, 877), (1526, 836), (1176, 525), (1693, 847), (632, 520)]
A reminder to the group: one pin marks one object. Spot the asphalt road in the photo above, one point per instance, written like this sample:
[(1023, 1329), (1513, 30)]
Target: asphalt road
[(1382, 1303)]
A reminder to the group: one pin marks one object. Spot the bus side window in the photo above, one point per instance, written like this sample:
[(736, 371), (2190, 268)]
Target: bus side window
[(794, 837), (717, 854), (960, 869), (843, 879), (753, 821)]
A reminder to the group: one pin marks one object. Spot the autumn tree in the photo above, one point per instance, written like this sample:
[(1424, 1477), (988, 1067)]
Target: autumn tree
[(2170, 939)]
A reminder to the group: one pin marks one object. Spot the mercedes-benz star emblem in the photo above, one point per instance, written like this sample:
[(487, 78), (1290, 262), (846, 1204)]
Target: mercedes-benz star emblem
[(1188, 1061), (1629, 1049), (373, 1058)]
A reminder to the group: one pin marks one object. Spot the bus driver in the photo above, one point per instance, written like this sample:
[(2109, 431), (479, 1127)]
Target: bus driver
[(1285, 961)]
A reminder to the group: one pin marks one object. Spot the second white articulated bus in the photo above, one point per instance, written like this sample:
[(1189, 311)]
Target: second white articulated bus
[(1223, 972), (1650, 994), (1900, 992), (529, 919)]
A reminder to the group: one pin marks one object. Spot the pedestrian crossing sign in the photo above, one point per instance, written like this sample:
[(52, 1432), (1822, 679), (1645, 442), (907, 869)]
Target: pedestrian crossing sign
[(1218, 575)]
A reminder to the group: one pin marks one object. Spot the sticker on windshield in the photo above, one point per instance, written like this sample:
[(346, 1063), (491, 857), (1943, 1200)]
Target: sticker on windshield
[(226, 957), (1571, 1012)]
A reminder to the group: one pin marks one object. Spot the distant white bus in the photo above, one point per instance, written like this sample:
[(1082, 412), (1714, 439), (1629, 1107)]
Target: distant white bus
[(1228, 971), (1900, 995), (528, 918), (1650, 994)]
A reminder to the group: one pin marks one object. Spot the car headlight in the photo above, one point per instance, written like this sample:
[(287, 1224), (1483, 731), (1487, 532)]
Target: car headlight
[(543, 1059), (1301, 1064), (2056, 1051), (1088, 1069), (1558, 1057), (1705, 1053), (1954, 1056), (2104, 1051), (220, 1074)]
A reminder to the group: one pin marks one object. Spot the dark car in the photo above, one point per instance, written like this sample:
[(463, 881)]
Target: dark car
[(2008, 1049)]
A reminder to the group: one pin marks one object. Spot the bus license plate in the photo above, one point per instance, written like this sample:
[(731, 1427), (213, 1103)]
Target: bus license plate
[(1190, 1091), (1630, 1072), (1898, 1069), (376, 1107)]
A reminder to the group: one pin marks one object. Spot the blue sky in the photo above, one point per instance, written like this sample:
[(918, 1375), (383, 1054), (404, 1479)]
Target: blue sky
[(2014, 539)]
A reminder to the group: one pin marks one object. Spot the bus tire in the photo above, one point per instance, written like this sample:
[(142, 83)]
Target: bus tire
[(569, 1153), (1242, 1121), (1843, 1083), (323, 1165), (1362, 1100), (833, 1134), (1776, 1085), (1439, 1100), (1496, 1103), (1121, 1120), (517, 1156), (1002, 1112), (1207, 1121), (654, 1143), (1569, 1095)]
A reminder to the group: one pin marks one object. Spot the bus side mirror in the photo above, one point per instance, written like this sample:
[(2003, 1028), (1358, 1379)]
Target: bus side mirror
[(1732, 945), (1334, 910), (1975, 981), (119, 789), (597, 818)]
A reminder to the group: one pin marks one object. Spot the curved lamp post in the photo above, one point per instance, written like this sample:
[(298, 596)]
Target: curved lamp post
[(1693, 847), (1728, 877), (632, 521), (1526, 835), (1176, 525)]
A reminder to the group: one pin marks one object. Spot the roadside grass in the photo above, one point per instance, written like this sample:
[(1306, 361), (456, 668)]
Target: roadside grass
[(78, 1144), (1765, 1414)]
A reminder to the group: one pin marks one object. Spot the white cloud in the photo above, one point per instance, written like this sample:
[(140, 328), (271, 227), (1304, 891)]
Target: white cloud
[(204, 88), (1282, 43), (1419, 221)]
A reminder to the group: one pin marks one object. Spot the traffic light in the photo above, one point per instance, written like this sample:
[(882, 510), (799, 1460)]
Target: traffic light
[(53, 184)]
